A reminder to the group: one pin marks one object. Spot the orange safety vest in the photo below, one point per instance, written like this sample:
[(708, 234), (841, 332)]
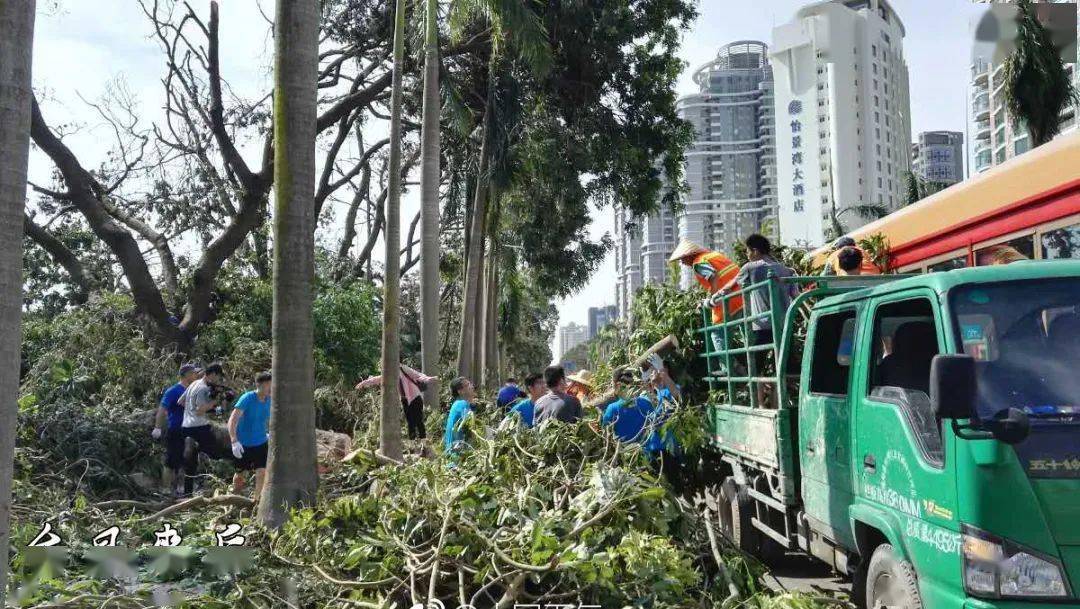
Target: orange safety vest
[(726, 270), (866, 268)]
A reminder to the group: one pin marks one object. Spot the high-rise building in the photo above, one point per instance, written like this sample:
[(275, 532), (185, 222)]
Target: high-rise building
[(843, 126), (570, 336), (995, 136), (627, 261), (729, 167), (730, 170), (938, 157), (600, 317), (658, 238)]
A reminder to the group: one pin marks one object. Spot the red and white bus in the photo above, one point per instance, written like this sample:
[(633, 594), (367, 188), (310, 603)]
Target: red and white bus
[(1030, 204)]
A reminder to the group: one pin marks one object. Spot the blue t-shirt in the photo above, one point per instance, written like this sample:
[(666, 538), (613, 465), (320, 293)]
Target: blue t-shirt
[(659, 440), (628, 419), (507, 395), (170, 401), (525, 409), (458, 411), (252, 430)]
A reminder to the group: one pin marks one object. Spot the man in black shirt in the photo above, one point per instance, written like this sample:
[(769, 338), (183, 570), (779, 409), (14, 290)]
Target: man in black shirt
[(556, 403)]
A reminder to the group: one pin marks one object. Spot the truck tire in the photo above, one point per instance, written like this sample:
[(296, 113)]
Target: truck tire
[(735, 511), (891, 581)]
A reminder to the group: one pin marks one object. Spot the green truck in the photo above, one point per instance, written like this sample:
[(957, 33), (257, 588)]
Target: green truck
[(919, 434)]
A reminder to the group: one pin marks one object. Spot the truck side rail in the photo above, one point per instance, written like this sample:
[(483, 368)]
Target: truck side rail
[(730, 338)]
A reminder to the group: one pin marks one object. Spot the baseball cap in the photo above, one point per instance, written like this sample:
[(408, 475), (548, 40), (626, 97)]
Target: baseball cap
[(188, 369)]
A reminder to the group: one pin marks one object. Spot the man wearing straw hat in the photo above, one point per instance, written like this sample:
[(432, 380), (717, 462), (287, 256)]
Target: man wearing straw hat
[(580, 385), (713, 271)]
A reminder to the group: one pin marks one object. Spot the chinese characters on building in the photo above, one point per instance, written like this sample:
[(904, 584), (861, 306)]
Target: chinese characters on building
[(798, 186)]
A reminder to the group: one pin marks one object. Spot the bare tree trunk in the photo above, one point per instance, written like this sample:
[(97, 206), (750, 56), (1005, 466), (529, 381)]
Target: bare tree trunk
[(491, 338), (390, 443), (16, 43), (291, 469), (473, 265), (429, 206), (480, 309)]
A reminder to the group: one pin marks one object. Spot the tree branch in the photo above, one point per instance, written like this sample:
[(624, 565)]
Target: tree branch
[(84, 195), (62, 255)]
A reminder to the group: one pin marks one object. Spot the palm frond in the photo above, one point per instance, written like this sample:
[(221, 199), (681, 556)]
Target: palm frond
[(870, 211), (1037, 87)]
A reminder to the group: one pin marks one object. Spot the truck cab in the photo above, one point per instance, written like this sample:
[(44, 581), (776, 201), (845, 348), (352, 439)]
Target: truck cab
[(923, 437)]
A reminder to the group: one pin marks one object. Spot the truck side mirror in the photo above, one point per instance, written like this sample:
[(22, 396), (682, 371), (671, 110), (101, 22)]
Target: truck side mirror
[(1011, 426), (952, 386)]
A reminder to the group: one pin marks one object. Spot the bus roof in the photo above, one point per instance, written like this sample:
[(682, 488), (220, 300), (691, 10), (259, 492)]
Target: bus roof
[(1048, 175), (942, 282)]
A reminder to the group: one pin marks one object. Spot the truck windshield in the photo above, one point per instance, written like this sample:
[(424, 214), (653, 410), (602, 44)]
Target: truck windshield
[(1025, 337)]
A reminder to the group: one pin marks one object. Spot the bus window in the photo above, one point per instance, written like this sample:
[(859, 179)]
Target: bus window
[(1021, 248), (947, 265), (1061, 243)]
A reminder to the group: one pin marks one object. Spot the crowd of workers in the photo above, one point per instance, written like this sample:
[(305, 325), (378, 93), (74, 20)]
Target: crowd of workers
[(183, 422), (635, 411)]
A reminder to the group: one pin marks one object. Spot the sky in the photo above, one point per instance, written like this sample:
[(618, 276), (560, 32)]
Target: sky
[(938, 50), (83, 50)]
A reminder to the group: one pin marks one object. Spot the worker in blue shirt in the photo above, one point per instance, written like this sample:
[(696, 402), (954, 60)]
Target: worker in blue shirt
[(664, 394), (168, 424), (463, 393), (627, 415), (525, 408), (509, 394)]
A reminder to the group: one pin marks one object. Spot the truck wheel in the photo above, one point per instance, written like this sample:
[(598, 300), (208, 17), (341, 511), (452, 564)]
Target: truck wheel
[(891, 582), (735, 511)]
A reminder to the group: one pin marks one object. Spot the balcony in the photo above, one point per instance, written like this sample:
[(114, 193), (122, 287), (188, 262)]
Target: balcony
[(982, 130)]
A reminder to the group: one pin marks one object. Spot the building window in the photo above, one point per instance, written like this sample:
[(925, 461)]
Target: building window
[(877, 117), (877, 132), (879, 165), (873, 50), (874, 66), (876, 101), (879, 182)]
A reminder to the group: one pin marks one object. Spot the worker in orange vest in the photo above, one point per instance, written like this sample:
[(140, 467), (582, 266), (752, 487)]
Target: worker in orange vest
[(713, 271), (832, 263)]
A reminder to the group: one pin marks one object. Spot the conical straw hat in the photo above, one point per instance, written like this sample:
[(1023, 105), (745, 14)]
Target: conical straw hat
[(686, 248)]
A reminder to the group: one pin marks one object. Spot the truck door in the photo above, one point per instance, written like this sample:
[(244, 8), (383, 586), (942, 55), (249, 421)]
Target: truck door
[(825, 423), (900, 459)]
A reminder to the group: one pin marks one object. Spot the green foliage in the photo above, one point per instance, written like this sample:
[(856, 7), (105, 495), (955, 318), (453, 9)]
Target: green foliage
[(1037, 85), (663, 309), (876, 247), (90, 374), (347, 329), (582, 513)]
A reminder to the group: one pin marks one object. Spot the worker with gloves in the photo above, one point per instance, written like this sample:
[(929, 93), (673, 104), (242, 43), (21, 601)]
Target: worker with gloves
[(249, 430)]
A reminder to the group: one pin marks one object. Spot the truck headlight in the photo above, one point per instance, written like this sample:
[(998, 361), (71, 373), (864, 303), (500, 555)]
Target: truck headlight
[(995, 568)]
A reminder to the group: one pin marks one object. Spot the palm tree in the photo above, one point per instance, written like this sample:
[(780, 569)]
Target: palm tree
[(869, 211), (512, 22), (291, 469), (429, 203), (15, 54), (1037, 87), (390, 443)]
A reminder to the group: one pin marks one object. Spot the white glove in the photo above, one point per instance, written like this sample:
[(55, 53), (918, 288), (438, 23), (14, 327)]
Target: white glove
[(156, 434), (716, 298), (237, 450), (654, 361)]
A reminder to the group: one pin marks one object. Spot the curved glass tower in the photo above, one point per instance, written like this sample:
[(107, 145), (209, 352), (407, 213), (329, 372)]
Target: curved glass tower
[(730, 168)]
